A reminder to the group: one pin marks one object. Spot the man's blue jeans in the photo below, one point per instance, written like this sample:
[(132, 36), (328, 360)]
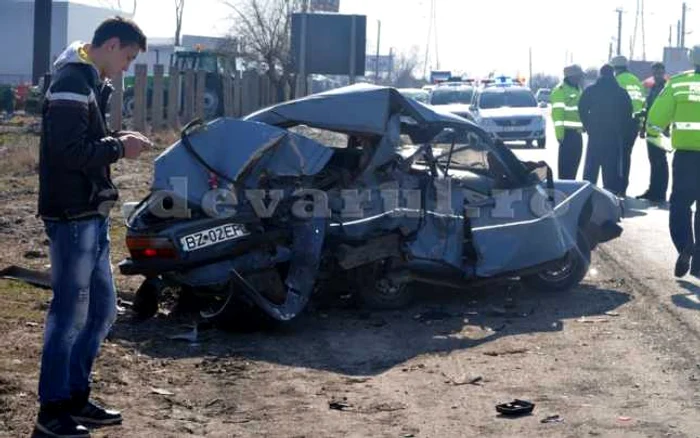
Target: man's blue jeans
[(83, 308)]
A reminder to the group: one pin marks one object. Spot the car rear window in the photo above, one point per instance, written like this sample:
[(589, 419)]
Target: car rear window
[(447, 96), (507, 98)]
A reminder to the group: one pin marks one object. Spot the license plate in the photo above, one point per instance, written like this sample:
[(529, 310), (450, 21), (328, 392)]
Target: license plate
[(511, 128), (212, 236)]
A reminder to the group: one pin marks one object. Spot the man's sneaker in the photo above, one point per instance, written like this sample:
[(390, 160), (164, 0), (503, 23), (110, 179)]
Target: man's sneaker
[(93, 414), (55, 421), (683, 262)]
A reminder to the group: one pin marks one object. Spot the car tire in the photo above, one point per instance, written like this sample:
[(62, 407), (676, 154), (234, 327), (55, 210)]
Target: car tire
[(385, 295), (565, 275), (542, 142), (243, 317), (211, 104), (147, 297)]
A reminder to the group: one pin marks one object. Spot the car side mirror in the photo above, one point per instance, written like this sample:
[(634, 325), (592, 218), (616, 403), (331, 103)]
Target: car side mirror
[(473, 108), (542, 104)]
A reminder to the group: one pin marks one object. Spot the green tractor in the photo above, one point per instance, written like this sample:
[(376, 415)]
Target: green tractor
[(217, 65)]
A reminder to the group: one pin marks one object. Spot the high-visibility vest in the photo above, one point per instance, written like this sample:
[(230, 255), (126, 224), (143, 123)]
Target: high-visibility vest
[(678, 106), (634, 88), (564, 99)]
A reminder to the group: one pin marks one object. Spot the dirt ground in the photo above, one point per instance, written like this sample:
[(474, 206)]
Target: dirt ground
[(604, 358)]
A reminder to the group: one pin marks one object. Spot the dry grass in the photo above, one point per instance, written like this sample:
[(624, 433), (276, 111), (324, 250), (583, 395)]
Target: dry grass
[(22, 303), (19, 154)]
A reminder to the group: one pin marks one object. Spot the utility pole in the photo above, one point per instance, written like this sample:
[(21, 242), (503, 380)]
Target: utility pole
[(670, 36), (530, 77), (633, 40), (619, 31), (644, 39), (435, 27), (678, 33), (42, 40), (379, 34), (683, 26), (427, 44), (610, 51)]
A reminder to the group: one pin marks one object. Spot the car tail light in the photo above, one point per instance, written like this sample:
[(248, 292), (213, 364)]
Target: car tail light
[(150, 248)]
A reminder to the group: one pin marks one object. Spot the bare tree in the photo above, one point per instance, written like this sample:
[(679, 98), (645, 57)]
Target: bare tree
[(179, 8), (263, 28), (541, 80), (405, 66)]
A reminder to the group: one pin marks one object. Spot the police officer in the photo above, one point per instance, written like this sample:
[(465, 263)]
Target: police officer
[(567, 123), (637, 93), (678, 105), (658, 178)]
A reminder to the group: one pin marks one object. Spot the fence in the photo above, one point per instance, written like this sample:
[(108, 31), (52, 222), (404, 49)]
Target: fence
[(169, 102)]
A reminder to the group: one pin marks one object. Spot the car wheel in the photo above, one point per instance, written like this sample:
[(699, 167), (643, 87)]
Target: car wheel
[(239, 316), (541, 142), (565, 274), (376, 291), (147, 298), (211, 104), (386, 295)]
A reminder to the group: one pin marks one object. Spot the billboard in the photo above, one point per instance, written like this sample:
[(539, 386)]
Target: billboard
[(385, 63), (324, 5), (329, 43)]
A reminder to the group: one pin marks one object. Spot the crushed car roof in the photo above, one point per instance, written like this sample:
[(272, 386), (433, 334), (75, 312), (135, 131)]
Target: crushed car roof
[(360, 108)]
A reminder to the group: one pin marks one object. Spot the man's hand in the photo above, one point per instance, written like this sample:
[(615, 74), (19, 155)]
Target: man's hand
[(134, 143)]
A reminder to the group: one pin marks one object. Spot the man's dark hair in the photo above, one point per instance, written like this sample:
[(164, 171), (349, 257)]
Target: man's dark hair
[(607, 71), (126, 30), (658, 66)]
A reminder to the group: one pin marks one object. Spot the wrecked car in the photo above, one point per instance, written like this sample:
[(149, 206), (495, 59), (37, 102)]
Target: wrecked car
[(358, 190)]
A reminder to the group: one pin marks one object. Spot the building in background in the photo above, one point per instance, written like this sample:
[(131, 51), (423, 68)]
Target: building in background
[(677, 59), (70, 21)]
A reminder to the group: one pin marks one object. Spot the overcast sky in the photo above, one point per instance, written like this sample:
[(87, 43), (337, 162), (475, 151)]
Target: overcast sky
[(473, 36)]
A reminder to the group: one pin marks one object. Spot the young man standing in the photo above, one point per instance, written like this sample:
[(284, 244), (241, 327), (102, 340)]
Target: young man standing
[(75, 195)]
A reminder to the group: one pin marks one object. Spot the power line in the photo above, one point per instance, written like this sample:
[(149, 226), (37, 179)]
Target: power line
[(427, 44)]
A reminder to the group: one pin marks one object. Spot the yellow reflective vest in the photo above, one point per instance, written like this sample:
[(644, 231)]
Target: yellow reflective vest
[(564, 99), (634, 88), (678, 106)]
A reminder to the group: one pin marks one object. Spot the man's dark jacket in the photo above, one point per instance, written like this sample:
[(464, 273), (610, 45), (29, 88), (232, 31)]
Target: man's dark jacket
[(76, 149), (605, 108)]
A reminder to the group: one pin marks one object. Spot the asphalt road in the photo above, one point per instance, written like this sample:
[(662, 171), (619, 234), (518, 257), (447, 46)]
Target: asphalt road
[(644, 252)]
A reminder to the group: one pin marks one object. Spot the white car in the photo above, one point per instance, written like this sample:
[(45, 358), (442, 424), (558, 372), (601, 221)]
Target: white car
[(454, 97), (510, 113)]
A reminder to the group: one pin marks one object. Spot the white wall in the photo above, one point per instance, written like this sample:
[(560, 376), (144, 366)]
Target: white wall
[(69, 22), (17, 38)]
